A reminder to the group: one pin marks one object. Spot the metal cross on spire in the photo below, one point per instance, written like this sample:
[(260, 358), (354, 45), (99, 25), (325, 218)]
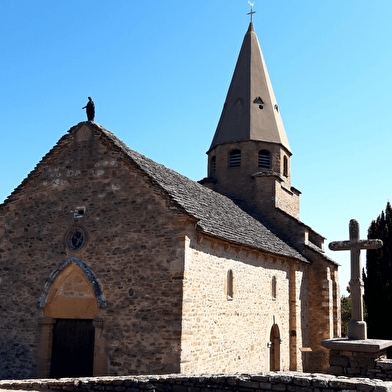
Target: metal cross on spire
[(251, 11), (357, 326)]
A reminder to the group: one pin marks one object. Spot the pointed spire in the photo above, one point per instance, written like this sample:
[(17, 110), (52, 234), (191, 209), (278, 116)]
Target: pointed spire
[(250, 111)]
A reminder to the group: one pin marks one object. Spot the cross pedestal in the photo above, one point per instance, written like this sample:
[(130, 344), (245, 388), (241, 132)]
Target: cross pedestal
[(357, 355)]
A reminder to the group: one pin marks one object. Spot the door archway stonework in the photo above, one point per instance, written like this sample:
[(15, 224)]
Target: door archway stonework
[(85, 273), (72, 292)]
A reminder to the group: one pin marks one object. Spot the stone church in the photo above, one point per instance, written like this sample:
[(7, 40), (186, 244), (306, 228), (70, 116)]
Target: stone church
[(112, 264)]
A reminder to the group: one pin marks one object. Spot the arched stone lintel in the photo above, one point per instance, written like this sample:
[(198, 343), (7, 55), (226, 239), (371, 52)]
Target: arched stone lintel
[(101, 302)]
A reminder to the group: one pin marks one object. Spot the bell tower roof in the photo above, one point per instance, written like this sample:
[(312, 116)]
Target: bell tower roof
[(250, 111)]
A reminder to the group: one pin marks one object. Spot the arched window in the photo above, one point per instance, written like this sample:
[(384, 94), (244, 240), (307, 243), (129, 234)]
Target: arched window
[(265, 159), (230, 284), (213, 164), (273, 287), (235, 158), (285, 166)]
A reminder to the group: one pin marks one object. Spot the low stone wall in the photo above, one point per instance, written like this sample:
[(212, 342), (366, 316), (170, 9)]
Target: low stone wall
[(359, 358), (354, 364), (255, 382), (383, 369)]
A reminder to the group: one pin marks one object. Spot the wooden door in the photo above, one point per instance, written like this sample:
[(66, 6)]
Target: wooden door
[(73, 348), (275, 348)]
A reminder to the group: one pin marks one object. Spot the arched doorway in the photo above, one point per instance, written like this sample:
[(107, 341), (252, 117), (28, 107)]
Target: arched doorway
[(71, 333), (275, 348)]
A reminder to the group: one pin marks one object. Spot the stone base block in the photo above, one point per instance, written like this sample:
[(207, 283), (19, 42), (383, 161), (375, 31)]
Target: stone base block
[(356, 357)]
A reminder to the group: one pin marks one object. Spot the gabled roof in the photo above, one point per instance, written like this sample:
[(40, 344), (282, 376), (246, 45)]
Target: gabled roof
[(216, 215), (250, 111)]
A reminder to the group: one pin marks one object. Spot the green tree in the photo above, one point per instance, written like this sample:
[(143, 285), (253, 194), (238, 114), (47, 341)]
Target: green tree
[(345, 306), (378, 277)]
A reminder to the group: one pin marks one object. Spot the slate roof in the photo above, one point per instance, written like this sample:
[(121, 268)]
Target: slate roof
[(250, 90), (217, 215)]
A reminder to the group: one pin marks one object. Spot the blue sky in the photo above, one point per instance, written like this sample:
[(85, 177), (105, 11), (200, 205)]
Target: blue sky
[(158, 72)]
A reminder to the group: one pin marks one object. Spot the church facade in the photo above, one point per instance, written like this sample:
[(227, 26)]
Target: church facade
[(112, 264)]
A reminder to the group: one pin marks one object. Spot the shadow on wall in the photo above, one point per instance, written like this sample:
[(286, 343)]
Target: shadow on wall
[(15, 359)]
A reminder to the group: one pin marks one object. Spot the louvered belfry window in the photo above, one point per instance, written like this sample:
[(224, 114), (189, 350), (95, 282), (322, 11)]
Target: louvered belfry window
[(235, 158), (213, 164), (285, 167), (265, 159)]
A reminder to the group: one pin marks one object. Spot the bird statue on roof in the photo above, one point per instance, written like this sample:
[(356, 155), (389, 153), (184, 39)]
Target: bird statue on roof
[(90, 109)]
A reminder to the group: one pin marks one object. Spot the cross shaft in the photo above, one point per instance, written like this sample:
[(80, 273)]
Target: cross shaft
[(251, 14), (357, 326)]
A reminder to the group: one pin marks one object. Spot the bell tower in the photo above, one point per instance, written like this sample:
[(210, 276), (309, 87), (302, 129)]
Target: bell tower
[(249, 157)]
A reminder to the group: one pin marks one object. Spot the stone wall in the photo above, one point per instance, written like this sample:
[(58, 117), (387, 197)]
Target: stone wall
[(133, 237), (323, 300), (264, 188), (287, 199), (382, 369), (323, 287), (232, 333), (129, 276), (360, 364), (14, 357), (254, 382)]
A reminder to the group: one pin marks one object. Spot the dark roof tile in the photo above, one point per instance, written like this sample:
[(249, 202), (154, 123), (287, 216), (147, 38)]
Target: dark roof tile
[(216, 214)]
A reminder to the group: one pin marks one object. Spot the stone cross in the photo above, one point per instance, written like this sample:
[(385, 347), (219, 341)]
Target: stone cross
[(356, 327)]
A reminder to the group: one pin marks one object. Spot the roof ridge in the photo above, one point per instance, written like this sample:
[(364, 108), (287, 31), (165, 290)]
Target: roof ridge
[(214, 213), (118, 143), (215, 207)]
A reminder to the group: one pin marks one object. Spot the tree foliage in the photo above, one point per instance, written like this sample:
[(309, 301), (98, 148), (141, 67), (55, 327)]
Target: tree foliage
[(345, 305), (378, 277)]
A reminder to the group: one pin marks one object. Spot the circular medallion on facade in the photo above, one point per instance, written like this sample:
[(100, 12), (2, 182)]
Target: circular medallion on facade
[(75, 239)]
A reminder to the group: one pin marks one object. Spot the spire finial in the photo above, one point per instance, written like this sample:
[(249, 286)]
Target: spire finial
[(251, 11)]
